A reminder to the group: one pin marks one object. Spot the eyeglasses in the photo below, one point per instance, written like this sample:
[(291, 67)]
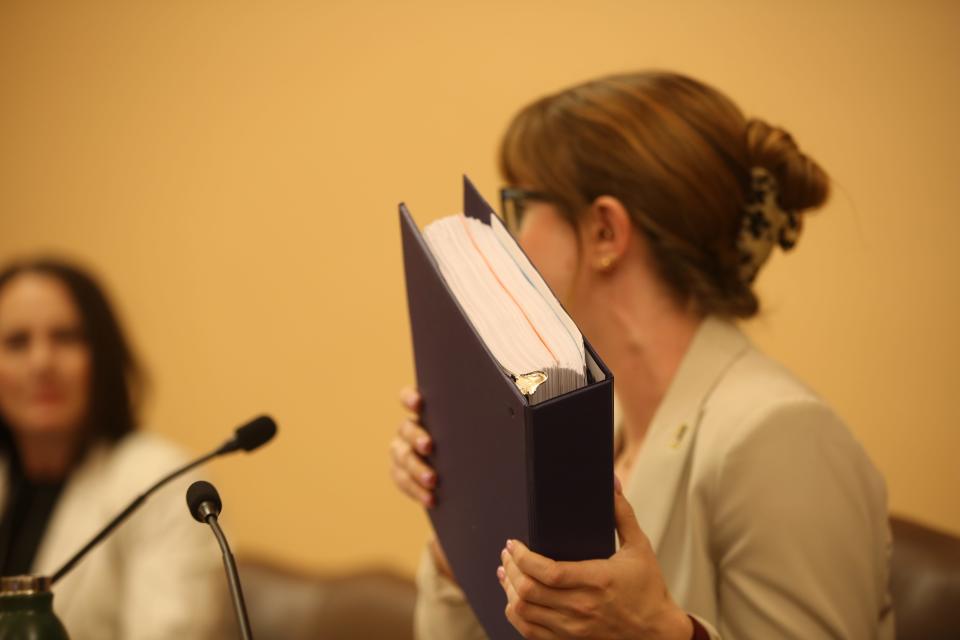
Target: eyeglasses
[(513, 203)]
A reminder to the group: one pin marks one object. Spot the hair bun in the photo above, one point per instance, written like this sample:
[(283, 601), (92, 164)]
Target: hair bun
[(802, 184)]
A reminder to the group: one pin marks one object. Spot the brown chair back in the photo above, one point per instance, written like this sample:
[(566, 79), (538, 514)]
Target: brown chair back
[(925, 582), (284, 604)]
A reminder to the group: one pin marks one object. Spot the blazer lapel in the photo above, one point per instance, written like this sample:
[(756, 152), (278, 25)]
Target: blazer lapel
[(658, 470), (77, 516)]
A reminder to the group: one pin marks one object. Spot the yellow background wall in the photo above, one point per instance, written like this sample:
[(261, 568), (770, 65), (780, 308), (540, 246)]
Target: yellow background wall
[(232, 170)]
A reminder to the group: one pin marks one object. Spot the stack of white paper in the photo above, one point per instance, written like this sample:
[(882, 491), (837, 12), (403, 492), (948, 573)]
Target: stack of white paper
[(510, 305)]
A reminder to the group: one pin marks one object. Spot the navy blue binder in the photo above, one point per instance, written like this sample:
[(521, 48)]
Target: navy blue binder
[(542, 474)]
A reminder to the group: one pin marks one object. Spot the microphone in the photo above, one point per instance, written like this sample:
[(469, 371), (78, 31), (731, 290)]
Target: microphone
[(248, 437), (205, 505), (203, 501)]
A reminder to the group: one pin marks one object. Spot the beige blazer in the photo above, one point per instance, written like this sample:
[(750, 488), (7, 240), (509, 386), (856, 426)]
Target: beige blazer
[(158, 576), (767, 517)]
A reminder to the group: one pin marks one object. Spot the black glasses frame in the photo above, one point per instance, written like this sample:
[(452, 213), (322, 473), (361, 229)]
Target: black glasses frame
[(513, 202)]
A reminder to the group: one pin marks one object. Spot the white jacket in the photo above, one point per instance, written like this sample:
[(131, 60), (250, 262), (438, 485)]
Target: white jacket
[(158, 576), (767, 517)]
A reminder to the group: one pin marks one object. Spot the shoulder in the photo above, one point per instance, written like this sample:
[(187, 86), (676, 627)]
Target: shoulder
[(131, 467), (757, 395), (730, 389), (763, 428), (144, 455), (760, 414), (120, 471)]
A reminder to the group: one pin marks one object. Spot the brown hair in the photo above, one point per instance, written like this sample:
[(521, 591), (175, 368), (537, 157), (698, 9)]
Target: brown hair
[(678, 154)]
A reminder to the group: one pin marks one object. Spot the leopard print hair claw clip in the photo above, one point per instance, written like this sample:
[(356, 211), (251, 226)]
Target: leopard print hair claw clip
[(764, 223)]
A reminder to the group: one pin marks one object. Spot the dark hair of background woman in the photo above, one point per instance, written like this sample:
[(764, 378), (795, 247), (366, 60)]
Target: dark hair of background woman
[(116, 379)]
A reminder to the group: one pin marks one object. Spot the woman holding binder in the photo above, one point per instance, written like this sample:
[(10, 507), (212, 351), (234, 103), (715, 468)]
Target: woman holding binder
[(649, 203)]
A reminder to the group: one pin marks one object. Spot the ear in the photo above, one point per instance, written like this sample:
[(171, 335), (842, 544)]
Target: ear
[(606, 233)]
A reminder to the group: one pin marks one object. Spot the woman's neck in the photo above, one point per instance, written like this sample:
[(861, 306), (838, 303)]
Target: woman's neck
[(645, 337), (46, 458)]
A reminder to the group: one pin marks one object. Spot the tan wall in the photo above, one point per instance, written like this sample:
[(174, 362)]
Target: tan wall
[(232, 170)]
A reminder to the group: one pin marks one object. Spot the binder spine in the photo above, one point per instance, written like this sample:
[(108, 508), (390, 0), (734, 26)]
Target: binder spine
[(570, 474)]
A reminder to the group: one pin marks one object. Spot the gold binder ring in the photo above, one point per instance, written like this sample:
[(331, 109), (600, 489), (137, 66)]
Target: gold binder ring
[(528, 383)]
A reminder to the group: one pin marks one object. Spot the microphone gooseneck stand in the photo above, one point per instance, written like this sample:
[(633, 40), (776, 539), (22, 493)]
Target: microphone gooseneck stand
[(248, 437), (123, 515), (205, 506)]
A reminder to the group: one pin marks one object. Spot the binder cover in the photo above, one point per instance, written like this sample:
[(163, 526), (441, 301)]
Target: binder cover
[(542, 474)]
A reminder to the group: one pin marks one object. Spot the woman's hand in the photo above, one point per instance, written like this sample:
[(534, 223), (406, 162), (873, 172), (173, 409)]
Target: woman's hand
[(409, 470), (622, 597)]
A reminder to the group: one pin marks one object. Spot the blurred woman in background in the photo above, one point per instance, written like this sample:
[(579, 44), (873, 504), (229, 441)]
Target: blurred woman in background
[(649, 203), (71, 459)]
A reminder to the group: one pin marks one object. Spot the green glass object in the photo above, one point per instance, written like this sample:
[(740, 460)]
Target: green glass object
[(26, 610)]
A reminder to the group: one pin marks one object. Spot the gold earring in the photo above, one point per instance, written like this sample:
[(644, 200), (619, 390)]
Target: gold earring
[(605, 263)]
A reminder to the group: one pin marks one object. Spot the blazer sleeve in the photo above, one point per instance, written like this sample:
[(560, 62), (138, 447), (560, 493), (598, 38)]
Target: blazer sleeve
[(799, 529), (442, 612)]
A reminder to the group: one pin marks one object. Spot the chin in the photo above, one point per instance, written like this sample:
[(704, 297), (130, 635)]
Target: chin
[(47, 424)]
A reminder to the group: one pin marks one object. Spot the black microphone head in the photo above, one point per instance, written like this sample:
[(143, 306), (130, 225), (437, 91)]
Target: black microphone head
[(201, 492), (255, 433)]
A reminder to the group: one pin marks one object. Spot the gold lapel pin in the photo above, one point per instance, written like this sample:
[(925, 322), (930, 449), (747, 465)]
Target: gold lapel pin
[(678, 437)]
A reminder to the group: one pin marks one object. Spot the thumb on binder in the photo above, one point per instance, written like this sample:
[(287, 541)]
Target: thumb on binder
[(628, 529), (621, 597)]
